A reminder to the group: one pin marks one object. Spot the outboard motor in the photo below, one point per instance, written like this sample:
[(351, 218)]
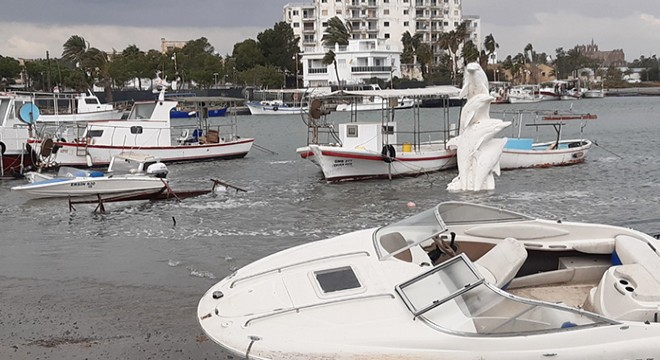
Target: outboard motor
[(158, 170)]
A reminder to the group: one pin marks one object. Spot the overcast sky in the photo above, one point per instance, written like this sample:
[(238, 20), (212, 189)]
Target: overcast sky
[(32, 27)]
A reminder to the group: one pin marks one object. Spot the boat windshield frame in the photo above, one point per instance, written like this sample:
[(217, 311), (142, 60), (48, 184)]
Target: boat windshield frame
[(428, 224), (454, 297), (415, 230)]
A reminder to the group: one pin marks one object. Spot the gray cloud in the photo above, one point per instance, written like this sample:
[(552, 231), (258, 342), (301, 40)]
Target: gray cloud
[(40, 25)]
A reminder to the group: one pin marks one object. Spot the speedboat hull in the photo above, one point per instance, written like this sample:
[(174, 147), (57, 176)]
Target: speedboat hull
[(91, 186), (367, 295)]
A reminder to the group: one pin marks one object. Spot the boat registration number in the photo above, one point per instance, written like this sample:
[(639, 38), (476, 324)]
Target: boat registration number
[(88, 184), (342, 162)]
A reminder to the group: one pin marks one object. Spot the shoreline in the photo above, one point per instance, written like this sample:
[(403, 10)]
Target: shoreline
[(85, 319)]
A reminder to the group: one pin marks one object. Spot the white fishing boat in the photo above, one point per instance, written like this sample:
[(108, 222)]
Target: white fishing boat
[(524, 94), (374, 102), (523, 152), (432, 287), (381, 149), (17, 119), (594, 94), (147, 130), (127, 174), (280, 102), (68, 108), (499, 90)]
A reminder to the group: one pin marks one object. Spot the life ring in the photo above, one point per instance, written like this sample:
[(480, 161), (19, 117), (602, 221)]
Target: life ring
[(275, 107), (388, 153), (3, 148)]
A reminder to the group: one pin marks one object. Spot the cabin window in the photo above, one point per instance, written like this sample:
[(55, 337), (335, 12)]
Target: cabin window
[(388, 129), (337, 279), (94, 133), (92, 101), (136, 129), (352, 131)]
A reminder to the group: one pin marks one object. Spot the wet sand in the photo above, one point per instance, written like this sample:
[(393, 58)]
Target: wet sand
[(40, 319)]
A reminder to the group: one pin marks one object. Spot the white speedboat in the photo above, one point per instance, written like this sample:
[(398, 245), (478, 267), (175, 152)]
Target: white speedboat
[(280, 102), (72, 108), (148, 131), (524, 94), (522, 152), (127, 174), (431, 287), (382, 149)]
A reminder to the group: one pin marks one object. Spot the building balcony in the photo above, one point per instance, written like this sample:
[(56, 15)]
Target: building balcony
[(371, 69), (317, 70)]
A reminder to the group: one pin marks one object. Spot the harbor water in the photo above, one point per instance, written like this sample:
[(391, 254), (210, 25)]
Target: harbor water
[(125, 284)]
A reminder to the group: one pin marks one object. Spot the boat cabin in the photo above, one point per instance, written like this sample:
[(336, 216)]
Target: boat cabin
[(369, 136)]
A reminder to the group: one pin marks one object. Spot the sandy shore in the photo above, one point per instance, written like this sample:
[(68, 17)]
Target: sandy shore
[(84, 319)]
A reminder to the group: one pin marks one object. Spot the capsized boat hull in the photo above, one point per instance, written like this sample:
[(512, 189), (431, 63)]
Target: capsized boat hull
[(339, 163), (568, 152)]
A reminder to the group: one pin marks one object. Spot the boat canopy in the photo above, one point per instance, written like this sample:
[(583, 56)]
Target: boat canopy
[(427, 92)]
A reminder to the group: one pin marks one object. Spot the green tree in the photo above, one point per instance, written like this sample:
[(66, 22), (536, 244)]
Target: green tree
[(247, 55), (337, 33), (9, 70), (279, 47)]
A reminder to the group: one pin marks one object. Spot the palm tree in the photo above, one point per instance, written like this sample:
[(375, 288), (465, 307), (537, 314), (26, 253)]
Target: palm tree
[(415, 51), (451, 41), (337, 33), (331, 58), (470, 52), (408, 53), (491, 46), (97, 60), (74, 50)]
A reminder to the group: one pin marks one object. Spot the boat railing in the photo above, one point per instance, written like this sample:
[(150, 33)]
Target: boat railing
[(324, 303), (280, 269)]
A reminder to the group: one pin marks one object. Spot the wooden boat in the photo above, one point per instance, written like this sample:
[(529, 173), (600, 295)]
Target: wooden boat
[(148, 130), (18, 117), (363, 150), (523, 152)]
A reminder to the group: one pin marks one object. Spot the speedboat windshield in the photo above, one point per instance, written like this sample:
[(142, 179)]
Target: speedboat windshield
[(395, 238), (71, 172), (455, 213), (454, 297)]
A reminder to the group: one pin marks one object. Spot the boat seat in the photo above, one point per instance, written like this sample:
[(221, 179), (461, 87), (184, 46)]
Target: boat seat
[(635, 251), (501, 264), (184, 136), (394, 241)]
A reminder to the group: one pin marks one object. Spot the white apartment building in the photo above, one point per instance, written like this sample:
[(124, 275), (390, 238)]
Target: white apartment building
[(380, 19), (358, 62)]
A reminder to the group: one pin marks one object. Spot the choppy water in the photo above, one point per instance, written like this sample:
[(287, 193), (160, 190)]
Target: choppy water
[(288, 203)]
